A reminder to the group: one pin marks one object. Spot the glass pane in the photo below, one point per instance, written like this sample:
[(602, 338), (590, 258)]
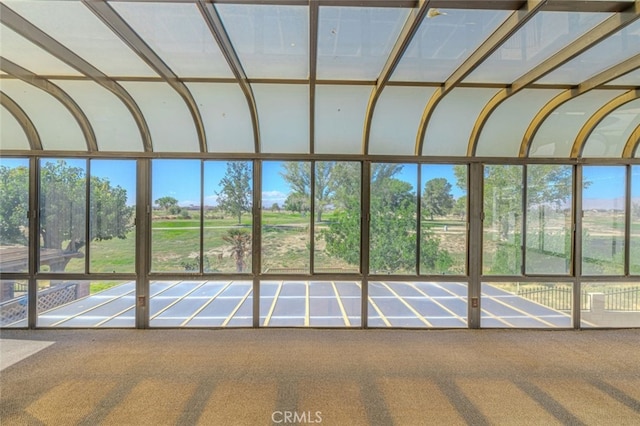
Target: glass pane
[(545, 34), (603, 220), (526, 305), (112, 217), (98, 45), (610, 305), (11, 132), (614, 49), (503, 131), (354, 42), (19, 50), (549, 220), (13, 303), (226, 117), (57, 128), (629, 79), (396, 119), (417, 304), (201, 304), (271, 41), (502, 226), (634, 255), (175, 221), (75, 303), (393, 224), (444, 219), (14, 222), (170, 123), (63, 214), (556, 135), (337, 216), (179, 35), (339, 122), (310, 303), (611, 134), (444, 42), (444, 139), (113, 124), (228, 200), (284, 117), (286, 202)]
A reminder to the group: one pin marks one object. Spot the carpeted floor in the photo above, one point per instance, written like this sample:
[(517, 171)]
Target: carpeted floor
[(328, 377)]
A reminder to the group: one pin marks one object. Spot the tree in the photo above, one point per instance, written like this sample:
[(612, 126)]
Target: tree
[(240, 241), (235, 194), (298, 175), (437, 198), (166, 203), (63, 212), (275, 207), (296, 202)]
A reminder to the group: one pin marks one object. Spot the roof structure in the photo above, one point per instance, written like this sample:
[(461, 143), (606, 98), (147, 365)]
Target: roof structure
[(440, 78)]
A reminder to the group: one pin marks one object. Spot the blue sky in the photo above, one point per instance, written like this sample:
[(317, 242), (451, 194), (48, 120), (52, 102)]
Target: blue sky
[(181, 178)]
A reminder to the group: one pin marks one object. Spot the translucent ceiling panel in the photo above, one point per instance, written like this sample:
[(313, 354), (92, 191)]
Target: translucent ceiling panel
[(75, 26), (19, 50), (272, 41), (340, 112), (57, 128), (611, 134), (179, 35), (558, 132), (503, 132), (226, 116), (443, 42), (537, 40), (112, 123), (283, 111), (622, 45), (171, 126), (12, 134), (396, 119), (629, 79), (354, 42), (450, 126)]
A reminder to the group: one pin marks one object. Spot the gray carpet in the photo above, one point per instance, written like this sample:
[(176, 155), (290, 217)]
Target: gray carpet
[(328, 377)]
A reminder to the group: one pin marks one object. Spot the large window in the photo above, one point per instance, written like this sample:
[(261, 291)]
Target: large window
[(502, 239), (14, 221), (634, 252), (610, 304), (603, 220), (394, 225), (549, 219)]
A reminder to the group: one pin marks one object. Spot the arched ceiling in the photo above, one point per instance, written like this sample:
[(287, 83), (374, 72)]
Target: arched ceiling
[(439, 78)]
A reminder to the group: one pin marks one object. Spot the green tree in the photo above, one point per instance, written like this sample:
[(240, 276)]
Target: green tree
[(166, 203), (297, 202), (63, 208), (240, 241), (298, 175), (437, 198), (235, 194), (275, 207)]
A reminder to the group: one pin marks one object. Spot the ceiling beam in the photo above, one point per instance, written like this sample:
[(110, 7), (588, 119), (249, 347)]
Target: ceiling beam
[(513, 23), (214, 22), (409, 30), (597, 117), (23, 119), (600, 79), (631, 147), (35, 35), (120, 27), (594, 36), (60, 95)]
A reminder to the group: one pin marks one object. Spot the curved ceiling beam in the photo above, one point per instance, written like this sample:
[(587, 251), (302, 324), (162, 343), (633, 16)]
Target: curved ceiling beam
[(587, 85), (213, 21), (597, 117), (120, 27), (23, 119), (631, 147), (410, 28), (513, 23), (59, 94), (314, 13), (35, 35), (600, 32)]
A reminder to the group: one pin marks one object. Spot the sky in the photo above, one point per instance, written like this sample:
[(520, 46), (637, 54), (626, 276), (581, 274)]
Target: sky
[(181, 178)]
